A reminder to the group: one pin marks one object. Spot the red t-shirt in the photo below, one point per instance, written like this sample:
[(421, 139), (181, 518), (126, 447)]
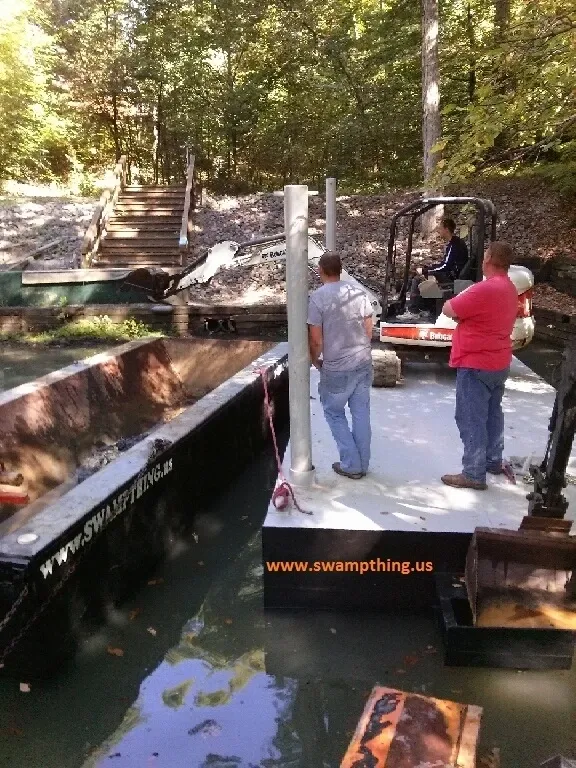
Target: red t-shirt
[(486, 313)]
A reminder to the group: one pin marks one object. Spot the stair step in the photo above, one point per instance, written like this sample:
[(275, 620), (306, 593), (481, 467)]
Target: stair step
[(143, 226), (131, 265), (153, 188), (160, 197), (150, 206), (126, 233), (168, 199), (168, 202), (141, 258), (139, 254), (145, 213), (140, 240), (149, 261), (151, 221)]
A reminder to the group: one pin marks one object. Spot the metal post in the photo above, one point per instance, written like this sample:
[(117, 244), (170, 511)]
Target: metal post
[(330, 214), (296, 229)]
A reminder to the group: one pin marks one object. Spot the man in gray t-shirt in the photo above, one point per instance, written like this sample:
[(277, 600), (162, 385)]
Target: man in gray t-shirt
[(340, 325)]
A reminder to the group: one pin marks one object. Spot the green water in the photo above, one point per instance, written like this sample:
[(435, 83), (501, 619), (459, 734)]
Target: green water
[(208, 679), (21, 363)]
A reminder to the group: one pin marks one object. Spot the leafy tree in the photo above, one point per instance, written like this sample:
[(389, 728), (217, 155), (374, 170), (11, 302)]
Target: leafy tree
[(270, 92)]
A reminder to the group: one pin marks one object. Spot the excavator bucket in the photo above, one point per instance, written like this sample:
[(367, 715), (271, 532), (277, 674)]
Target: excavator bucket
[(522, 579), (152, 281)]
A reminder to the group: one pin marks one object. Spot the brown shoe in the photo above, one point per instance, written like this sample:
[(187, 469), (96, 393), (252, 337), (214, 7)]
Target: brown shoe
[(461, 481), (351, 475)]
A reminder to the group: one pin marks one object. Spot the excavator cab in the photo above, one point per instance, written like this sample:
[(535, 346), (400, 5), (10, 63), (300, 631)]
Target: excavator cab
[(479, 230), (407, 333)]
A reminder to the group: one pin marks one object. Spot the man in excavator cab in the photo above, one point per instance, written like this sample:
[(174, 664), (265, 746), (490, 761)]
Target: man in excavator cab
[(455, 259)]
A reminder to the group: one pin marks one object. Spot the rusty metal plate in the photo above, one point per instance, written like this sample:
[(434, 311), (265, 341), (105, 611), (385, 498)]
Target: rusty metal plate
[(398, 729)]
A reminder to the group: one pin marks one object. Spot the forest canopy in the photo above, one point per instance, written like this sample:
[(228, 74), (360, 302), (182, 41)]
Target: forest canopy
[(285, 91)]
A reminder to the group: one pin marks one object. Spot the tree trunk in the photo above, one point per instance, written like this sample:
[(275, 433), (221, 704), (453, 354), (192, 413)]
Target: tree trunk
[(157, 135), (115, 127), (230, 113), (501, 18), (471, 55), (431, 122), (155, 143), (501, 24), (235, 152)]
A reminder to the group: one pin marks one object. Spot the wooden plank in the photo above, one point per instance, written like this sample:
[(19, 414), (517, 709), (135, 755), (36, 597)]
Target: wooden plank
[(92, 231), (143, 246), (12, 324), (518, 579), (469, 738), (46, 247), (398, 729), (65, 276), (228, 310)]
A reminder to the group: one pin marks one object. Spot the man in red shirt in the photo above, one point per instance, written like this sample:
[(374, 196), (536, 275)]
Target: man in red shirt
[(482, 354)]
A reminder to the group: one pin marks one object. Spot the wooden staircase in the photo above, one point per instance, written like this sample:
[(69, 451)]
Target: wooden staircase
[(144, 229), (145, 226)]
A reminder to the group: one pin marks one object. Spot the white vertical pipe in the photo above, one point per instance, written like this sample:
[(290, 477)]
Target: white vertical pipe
[(296, 230), (330, 214)]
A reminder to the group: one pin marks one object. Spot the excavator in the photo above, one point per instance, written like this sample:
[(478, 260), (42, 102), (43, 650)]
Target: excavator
[(433, 329), (396, 337)]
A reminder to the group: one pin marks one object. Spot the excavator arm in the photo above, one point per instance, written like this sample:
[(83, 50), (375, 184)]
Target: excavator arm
[(547, 498), (159, 285)]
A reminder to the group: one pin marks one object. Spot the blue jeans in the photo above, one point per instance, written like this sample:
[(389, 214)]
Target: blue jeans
[(480, 420), (336, 389)]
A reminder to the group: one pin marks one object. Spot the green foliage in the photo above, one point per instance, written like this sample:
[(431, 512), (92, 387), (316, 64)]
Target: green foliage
[(104, 328), (100, 328), (559, 170), (524, 105), (272, 92)]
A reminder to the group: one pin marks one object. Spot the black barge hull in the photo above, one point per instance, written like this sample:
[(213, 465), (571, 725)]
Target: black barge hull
[(90, 545)]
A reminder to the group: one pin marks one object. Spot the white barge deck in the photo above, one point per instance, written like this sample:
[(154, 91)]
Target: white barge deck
[(401, 510)]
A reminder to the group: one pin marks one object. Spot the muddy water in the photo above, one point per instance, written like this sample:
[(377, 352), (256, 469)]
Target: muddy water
[(192, 673)]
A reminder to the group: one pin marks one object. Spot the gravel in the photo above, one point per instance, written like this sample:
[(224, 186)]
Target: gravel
[(29, 223)]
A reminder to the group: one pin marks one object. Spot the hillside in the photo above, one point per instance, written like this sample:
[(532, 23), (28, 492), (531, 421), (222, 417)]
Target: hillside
[(540, 226)]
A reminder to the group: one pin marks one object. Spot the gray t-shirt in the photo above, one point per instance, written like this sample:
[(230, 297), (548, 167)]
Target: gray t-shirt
[(341, 308)]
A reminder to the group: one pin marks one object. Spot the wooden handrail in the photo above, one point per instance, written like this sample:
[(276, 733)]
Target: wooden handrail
[(102, 212), (183, 242)]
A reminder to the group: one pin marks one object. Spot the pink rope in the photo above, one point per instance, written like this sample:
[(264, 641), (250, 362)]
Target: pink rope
[(283, 493)]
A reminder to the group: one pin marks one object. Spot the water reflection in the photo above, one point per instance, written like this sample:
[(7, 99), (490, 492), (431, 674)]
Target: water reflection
[(210, 702), (61, 721)]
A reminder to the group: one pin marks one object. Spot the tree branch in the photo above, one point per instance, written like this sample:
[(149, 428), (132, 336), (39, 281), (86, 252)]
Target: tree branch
[(516, 153)]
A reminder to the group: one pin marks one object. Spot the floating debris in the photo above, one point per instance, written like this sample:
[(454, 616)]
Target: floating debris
[(206, 728)]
